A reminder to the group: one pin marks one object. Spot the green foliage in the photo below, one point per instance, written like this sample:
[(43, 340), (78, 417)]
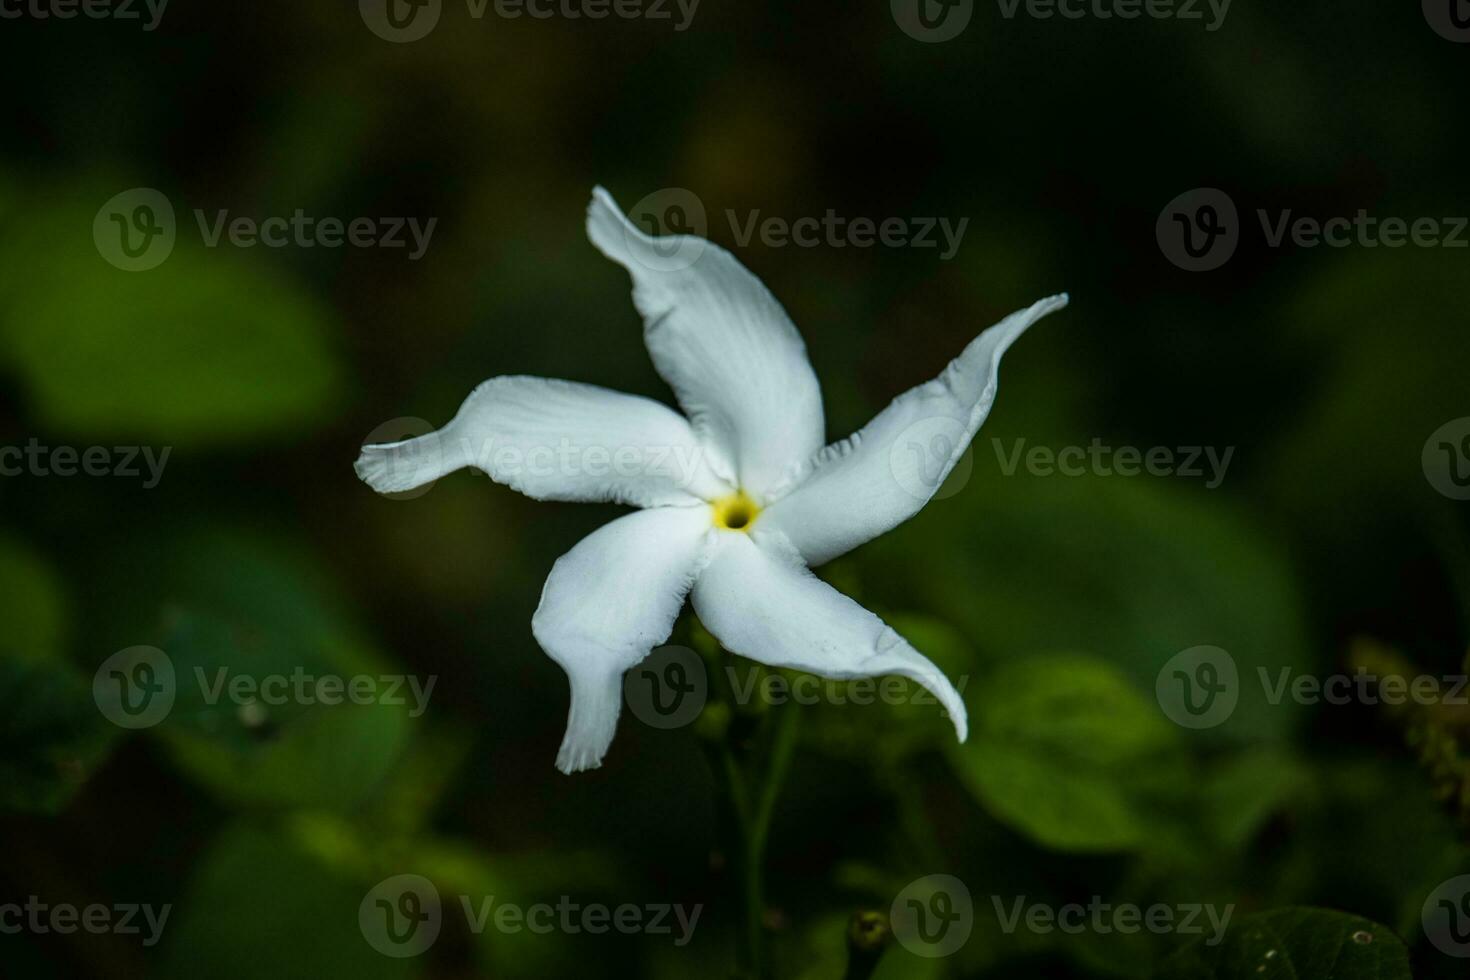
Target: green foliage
[(208, 347), (1122, 568), (1058, 746), (31, 603), (1285, 944), (254, 875), (54, 739), (53, 736), (1052, 601)]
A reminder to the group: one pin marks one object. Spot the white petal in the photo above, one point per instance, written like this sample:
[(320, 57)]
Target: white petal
[(556, 440), (761, 602), (606, 604), (884, 474), (722, 342)]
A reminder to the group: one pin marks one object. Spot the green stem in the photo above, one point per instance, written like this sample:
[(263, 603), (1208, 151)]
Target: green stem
[(783, 747), (758, 830), (748, 821)]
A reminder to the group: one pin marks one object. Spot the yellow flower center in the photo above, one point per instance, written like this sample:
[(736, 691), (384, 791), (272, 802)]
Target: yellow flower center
[(736, 512)]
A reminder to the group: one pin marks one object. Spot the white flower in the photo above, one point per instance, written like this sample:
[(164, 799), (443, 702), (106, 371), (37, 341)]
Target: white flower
[(738, 501)]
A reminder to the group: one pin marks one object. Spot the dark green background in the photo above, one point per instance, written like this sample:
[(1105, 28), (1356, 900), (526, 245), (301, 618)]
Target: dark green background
[(264, 369)]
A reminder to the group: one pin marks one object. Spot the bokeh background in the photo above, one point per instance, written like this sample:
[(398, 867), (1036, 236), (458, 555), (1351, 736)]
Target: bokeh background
[(1057, 600)]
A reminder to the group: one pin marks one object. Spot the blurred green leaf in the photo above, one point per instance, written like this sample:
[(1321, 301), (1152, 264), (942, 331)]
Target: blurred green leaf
[(1242, 792), (210, 346), (1124, 567), (303, 753), (53, 734), (31, 604), (245, 613), (1056, 749), (1292, 943), (1377, 398), (260, 908)]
